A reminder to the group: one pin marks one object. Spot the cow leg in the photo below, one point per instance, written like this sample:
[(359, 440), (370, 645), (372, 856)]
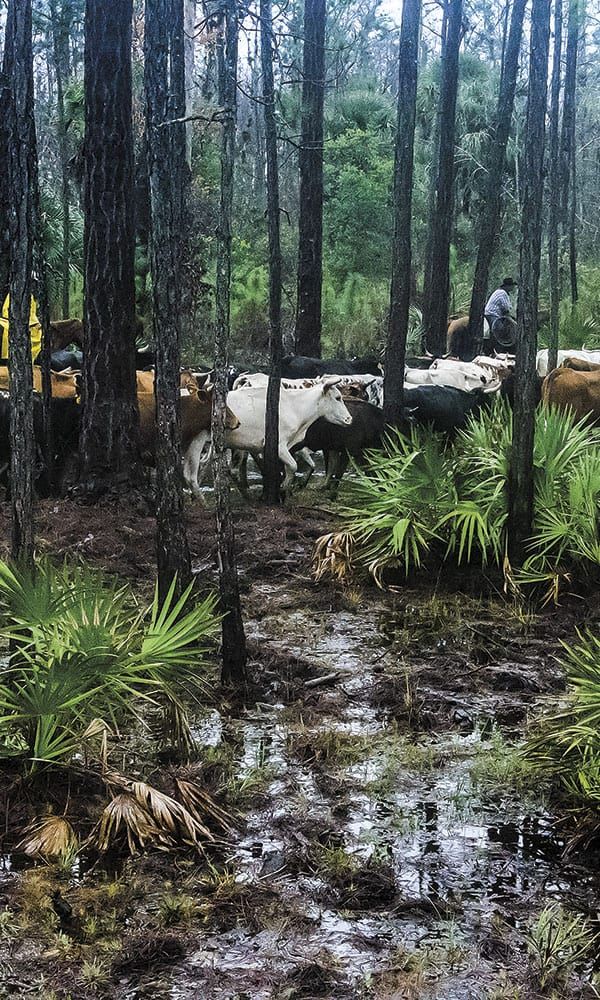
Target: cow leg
[(339, 466), (192, 461), (291, 468), (305, 458)]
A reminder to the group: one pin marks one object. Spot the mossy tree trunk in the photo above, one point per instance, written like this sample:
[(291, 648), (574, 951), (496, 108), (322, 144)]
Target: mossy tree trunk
[(271, 475), (520, 499), (310, 159), (490, 220), (554, 189), (403, 183), (164, 85), (437, 291), (109, 449), (233, 637), (22, 178)]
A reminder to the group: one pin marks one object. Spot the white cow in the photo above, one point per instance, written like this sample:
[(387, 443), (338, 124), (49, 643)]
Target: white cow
[(298, 409), (542, 358), (465, 375)]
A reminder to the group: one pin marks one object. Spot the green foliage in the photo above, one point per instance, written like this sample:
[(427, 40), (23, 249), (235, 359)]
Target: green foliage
[(567, 745), (52, 221), (557, 941), (86, 655), (420, 494), (359, 218)]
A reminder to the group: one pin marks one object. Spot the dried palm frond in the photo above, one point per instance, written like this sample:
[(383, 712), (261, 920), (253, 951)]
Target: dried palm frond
[(333, 555), (200, 804), (175, 824), (171, 815), (125, 815), (49, 837)]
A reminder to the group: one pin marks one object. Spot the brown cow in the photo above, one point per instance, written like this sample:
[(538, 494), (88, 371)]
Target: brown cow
[(577, 390), (195, 415), (64, 332), (64, 384), (580, 365), (145, 380)]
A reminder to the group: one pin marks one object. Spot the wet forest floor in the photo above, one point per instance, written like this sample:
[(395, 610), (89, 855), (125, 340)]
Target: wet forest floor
[(392, 842)]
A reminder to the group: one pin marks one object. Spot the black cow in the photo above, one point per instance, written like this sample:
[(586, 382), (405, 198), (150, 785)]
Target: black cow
[(340, 443), (442, 407), (507, 389), (297, 366), (59, 360), (65, 435)]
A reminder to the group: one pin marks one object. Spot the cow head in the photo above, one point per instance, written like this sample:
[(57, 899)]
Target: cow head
[(205, 397), (334, 409)]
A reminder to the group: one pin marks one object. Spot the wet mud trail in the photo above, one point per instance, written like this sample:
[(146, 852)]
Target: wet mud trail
[(399, 847), (392, 842)]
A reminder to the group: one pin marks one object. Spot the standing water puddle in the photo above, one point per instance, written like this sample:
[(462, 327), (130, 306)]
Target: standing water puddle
[(349, 796)]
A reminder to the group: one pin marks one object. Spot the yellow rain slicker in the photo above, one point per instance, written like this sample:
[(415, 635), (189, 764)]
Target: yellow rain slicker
[(35, 330)]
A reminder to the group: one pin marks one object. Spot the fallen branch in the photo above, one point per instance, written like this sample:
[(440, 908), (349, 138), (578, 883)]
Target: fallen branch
[(323, 679)]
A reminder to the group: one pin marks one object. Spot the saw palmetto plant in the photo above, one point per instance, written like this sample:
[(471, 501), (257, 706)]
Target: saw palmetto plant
[(422, 495), (86, 655), (567, 744)]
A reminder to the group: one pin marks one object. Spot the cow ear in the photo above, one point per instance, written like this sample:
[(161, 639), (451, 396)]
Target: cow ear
[(331, 383), (204, 395)]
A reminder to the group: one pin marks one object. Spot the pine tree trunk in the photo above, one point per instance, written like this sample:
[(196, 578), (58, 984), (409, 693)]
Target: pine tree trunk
[(60, 50), (428, 279), (189, 26), (109, 449), (310, 227), (233, 638), (490, 221), (403, 182), (520, 499), (21, 169), (435, 304), (166, 157), (5, 191), (271, 475), (567, 151), (554, 189), (568, 119)]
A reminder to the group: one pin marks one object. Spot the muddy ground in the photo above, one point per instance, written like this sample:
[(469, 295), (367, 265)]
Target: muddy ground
[(392, 842)]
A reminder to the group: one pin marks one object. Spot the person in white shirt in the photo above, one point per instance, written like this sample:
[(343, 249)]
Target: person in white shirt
[(498, 305)]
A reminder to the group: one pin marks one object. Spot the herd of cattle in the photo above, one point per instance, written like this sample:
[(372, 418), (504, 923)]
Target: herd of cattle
[(333, 407)]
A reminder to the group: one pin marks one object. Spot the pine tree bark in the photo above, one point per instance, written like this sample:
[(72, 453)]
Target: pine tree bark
[(428, 279), (554, 188), (488, 232), (166, 157), (109, 450), (310, 158), (59, 24), (233, 637), (436, 295), (520, 498), (5, 113), (22, 173), (403, 182), (567, 143), (271, 473)]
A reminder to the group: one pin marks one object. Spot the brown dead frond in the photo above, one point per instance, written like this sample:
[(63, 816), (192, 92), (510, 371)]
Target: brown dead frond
[(49, 837), (161, 820), (333, 555), (202, 806), (125, 817)]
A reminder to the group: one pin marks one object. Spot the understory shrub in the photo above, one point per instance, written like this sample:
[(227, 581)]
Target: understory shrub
[(85, 656), (567, 744), (420, 494)]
